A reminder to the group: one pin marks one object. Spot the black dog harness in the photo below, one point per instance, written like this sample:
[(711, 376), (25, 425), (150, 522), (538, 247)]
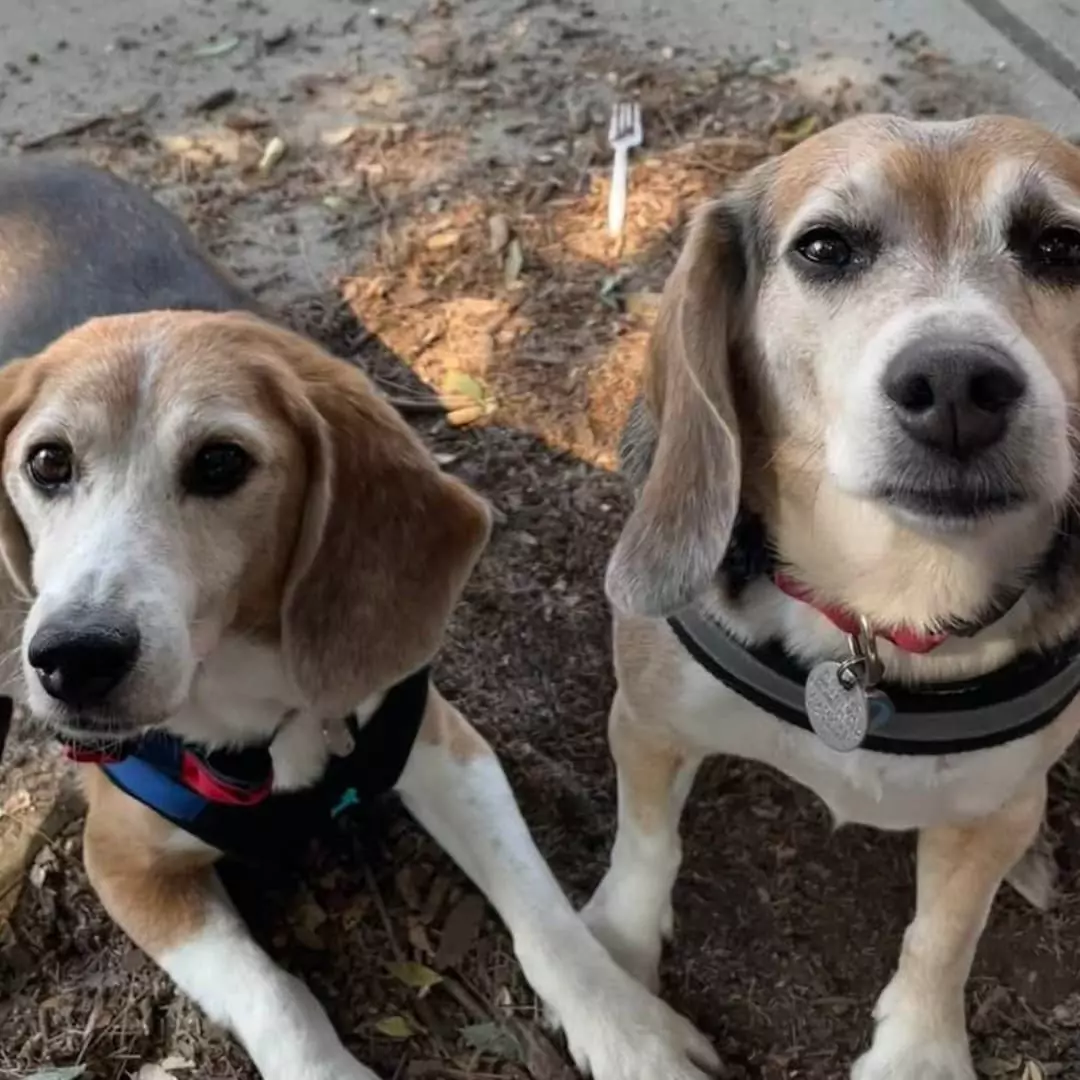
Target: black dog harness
[(956, 717), (225, 797)]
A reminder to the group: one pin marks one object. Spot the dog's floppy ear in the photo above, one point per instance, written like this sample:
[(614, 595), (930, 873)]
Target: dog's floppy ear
[(675, 539), (19, 384), (385, 546)]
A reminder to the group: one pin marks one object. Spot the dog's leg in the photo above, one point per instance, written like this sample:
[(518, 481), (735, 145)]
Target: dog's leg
[(921, 1032), (630, 912), (616, 1030), (159, 885)]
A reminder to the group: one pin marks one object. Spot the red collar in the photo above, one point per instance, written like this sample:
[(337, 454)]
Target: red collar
[(229, 778), (903, 637)]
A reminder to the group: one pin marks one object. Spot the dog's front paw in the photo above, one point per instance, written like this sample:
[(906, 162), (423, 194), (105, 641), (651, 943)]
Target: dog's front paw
[(916, 1038), (628, 1033)]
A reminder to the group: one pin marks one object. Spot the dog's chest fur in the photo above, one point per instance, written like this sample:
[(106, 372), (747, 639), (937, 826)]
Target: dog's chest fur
[(241, 694)]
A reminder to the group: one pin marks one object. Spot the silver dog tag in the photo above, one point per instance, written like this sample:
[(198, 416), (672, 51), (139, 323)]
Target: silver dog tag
[(837, 706)]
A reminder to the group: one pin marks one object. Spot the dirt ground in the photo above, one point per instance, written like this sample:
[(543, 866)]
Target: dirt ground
[(435, 211)]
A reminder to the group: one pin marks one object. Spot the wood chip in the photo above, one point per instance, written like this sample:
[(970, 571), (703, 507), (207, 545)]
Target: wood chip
[(274, 151), (498, 233)]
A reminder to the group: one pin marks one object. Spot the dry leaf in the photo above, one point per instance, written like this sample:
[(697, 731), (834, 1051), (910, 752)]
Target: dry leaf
[(464, 385), (418, 938), (495, 1039), (442, 241), (395, 1027), (414, 975), (1032, 1071), (72, 1072), (339, 136), (460, 931)]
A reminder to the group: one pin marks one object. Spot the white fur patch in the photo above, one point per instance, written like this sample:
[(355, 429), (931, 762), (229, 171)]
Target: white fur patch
[(615, 1028), (274, 1015)]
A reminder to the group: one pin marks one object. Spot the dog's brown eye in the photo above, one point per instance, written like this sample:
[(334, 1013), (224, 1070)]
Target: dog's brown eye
[(217, 469), (49, 466), (825, 247), (1059, 247)]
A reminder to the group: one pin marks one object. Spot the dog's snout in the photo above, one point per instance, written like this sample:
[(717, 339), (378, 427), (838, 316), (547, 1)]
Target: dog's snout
[(81, 661), (954, 399)]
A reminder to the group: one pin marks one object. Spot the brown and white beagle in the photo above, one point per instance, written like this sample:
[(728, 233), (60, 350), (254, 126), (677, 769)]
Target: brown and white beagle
[(221, 540), (856, 460)]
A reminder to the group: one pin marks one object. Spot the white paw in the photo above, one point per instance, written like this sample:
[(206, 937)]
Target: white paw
[(634, 945), (627, 1033), (904, 1049)]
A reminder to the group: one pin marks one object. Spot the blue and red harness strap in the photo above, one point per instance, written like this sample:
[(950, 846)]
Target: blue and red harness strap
[(225, 797)]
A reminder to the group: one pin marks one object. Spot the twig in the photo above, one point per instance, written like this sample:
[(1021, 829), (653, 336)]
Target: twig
[(79, 127), (465, 999), (369, 877)]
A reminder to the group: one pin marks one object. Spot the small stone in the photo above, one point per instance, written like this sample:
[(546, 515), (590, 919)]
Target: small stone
[(274, 39)]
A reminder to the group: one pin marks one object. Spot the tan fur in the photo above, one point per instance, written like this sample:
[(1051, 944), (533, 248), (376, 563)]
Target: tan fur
[(670, 546), (157, 895), (649, 761), (444, 726)]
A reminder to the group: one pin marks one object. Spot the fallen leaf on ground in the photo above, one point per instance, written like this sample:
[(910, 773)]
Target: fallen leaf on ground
[(464, 385), (395, 1027), (460, 931), (492, 1038), (414, 975)]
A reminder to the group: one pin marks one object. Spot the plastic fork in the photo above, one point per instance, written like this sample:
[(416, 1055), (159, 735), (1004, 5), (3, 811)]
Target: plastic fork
[(624, 134)]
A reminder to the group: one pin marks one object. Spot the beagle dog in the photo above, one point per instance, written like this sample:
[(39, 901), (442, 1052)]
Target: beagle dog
[(228, 560), (854, 553)]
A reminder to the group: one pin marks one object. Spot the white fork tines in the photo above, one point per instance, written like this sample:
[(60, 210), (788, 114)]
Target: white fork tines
[(625, 133)]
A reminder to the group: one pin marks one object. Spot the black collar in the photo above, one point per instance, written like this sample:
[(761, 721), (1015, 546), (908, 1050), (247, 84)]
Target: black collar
[(941, 718)]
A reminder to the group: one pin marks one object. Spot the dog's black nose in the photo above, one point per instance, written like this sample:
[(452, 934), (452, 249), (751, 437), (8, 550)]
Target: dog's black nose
[(954, 399), (80, 662)]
